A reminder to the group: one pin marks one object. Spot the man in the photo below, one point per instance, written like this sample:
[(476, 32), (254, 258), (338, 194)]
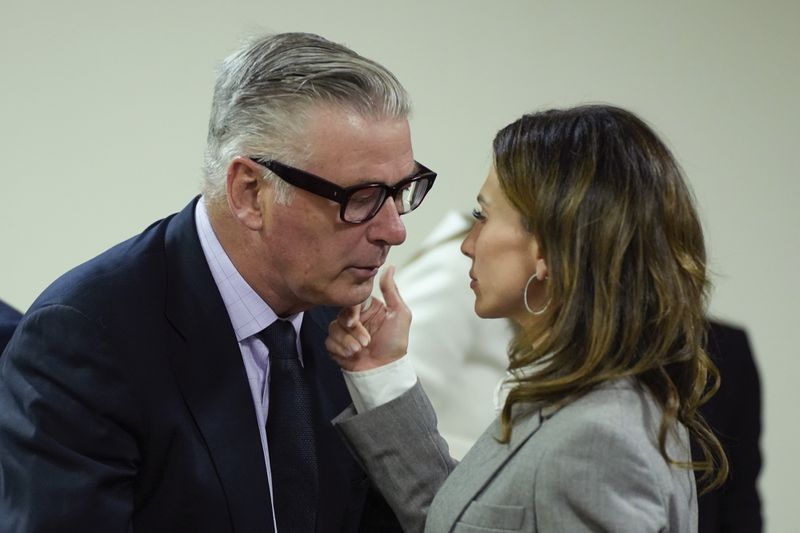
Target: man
[(141, 392), (9, 317)]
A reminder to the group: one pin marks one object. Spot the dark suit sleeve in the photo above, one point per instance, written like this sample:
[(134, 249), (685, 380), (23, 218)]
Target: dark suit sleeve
[(377, 515), (734, 413), (67, 456)]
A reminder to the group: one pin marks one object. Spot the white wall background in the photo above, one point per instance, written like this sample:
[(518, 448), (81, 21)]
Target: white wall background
[(103, 109)]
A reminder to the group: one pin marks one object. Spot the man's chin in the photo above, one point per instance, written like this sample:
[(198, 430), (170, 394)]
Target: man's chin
[(352, 296)]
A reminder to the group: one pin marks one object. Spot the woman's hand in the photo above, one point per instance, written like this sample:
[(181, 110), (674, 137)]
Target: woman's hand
[(373, 333)]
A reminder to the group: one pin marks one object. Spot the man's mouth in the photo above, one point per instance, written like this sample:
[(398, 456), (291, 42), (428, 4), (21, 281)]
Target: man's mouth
[(364, 271)]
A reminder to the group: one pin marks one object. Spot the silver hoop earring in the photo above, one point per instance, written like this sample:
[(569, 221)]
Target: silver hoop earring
[(525, 297)]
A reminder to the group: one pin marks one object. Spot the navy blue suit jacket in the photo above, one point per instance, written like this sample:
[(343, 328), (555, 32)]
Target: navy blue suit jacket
[(9, 318), (734, 413), (125, 406)]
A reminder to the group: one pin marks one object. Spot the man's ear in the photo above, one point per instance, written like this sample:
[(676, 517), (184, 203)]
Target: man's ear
[(244, 183)]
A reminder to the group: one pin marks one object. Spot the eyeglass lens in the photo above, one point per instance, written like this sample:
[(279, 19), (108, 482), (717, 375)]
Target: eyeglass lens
[(365, 203)]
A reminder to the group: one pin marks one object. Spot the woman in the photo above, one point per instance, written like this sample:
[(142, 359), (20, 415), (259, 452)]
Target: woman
[(587, 238)]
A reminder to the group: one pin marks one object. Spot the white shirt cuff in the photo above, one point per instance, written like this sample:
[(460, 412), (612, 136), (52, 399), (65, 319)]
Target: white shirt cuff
[(377, 386)]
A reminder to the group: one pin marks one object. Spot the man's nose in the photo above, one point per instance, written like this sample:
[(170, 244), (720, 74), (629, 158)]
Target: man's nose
[(386, 226)]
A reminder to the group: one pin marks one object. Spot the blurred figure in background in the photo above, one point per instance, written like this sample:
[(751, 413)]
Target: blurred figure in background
[(472, 357), (734, 413), (9, 318)]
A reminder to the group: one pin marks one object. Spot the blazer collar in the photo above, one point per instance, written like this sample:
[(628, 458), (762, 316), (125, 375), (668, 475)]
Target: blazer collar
[(208, 367), (480, 464)]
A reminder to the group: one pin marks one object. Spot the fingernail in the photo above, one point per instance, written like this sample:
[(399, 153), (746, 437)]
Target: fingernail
[(354, 347), (364, 340)]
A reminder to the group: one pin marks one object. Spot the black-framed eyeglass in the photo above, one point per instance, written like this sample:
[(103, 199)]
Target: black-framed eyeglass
[(359, 203)]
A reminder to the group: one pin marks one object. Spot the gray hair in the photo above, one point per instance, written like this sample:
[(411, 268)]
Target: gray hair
[(266, 90)]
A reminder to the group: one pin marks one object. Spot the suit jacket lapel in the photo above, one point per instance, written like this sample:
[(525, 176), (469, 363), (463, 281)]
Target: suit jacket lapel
[(477, 469), (338, 472), (208, 366), (328, 381)]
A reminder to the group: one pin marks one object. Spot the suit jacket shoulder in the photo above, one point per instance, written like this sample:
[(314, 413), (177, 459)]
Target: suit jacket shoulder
[(115, 363), (125, 389)]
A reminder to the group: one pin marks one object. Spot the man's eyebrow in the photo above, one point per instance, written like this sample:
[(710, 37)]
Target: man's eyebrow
[(416, 170)]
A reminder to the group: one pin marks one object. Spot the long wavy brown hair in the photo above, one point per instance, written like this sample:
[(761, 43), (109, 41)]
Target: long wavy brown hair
[(627, 282)]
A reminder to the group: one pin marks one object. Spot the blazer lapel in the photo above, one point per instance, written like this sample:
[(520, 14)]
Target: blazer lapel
[(338, 472), (208, 366), (477, 469), (328, 381)]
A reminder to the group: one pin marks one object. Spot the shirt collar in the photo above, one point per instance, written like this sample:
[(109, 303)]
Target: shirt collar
[(248, 312)]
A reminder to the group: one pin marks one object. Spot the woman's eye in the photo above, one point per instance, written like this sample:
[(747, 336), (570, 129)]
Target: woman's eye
[(477, 214)]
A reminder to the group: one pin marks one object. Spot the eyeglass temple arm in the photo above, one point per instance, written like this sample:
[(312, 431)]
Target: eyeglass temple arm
[(305, 180)]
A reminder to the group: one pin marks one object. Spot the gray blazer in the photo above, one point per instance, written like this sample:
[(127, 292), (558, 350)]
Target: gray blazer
[(593, 465)]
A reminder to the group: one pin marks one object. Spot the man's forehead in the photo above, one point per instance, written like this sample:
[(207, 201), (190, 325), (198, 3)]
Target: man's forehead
[(348, 148)]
